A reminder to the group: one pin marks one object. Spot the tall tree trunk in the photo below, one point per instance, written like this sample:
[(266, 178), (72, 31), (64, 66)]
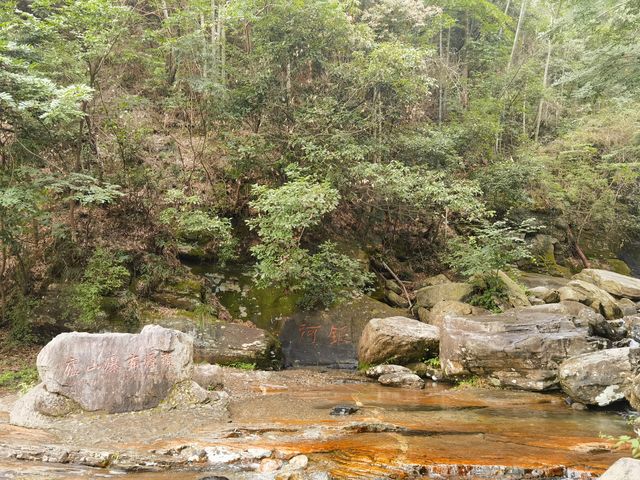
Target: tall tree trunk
[(170, 61), (523, 9), (441, 79), (545, 77), (506, 12)]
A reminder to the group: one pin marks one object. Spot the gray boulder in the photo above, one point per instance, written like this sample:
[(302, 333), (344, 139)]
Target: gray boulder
[(596, 298), (599, 378), (37, 406), (379, 370), (627, 307), (401, 380), (623, 469), (448, 307), (208, 376), (399, 338), (611, 282), (116, 372), (520, 348), (225, 343), (547, 295), (427, 297)]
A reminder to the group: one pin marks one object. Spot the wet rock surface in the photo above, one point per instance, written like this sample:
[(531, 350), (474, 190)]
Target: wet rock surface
[(521, 348), (439, 432), (401, 380)]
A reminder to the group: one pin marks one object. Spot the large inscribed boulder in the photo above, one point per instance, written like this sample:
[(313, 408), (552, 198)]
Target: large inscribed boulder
[(116, 372)]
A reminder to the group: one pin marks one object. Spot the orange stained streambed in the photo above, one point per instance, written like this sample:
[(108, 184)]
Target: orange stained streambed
[(399, 433)]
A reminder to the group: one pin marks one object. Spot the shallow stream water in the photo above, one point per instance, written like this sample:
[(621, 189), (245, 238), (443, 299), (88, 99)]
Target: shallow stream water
[(456, 433)]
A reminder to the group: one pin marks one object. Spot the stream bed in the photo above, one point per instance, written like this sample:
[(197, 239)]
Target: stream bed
[(438, 432)]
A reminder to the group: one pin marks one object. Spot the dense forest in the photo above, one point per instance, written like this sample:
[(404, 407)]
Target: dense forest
[(318, 140)]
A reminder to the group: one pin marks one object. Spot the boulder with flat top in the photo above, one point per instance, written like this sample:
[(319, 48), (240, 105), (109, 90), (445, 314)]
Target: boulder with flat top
[(612, 282), (521, 348)]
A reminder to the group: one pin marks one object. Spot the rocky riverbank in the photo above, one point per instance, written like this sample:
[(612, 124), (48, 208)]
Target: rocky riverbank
[(279, 425)]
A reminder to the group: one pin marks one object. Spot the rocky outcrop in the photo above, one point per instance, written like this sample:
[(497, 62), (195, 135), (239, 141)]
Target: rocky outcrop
[(611, 282), (599, 378), (547, 295), (330, 337), (429, 296), (594, 297), (632, 325), (520, 348), (585, 317), (208, 376), (533, 280), (633, 392), (400, 339), (448, 307), (226, 343), (623, 469), (627, 307)]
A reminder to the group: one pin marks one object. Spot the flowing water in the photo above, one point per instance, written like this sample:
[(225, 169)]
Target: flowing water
[(457, 433)]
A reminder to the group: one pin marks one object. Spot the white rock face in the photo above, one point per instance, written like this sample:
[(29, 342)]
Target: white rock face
[(611, 282)]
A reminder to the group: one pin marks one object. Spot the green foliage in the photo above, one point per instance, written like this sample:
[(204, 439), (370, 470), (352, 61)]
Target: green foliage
[(21, 380), (491, 292), (20, 316), (191, 223), (472, 382), (490, 248), (434, 362), (626, 441), (283, 215), (243, 365), (104, 274)]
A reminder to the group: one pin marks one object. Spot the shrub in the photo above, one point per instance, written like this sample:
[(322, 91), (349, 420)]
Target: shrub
[(104, 274)]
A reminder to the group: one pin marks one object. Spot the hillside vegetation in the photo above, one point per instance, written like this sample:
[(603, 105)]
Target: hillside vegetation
[(305, 137)]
